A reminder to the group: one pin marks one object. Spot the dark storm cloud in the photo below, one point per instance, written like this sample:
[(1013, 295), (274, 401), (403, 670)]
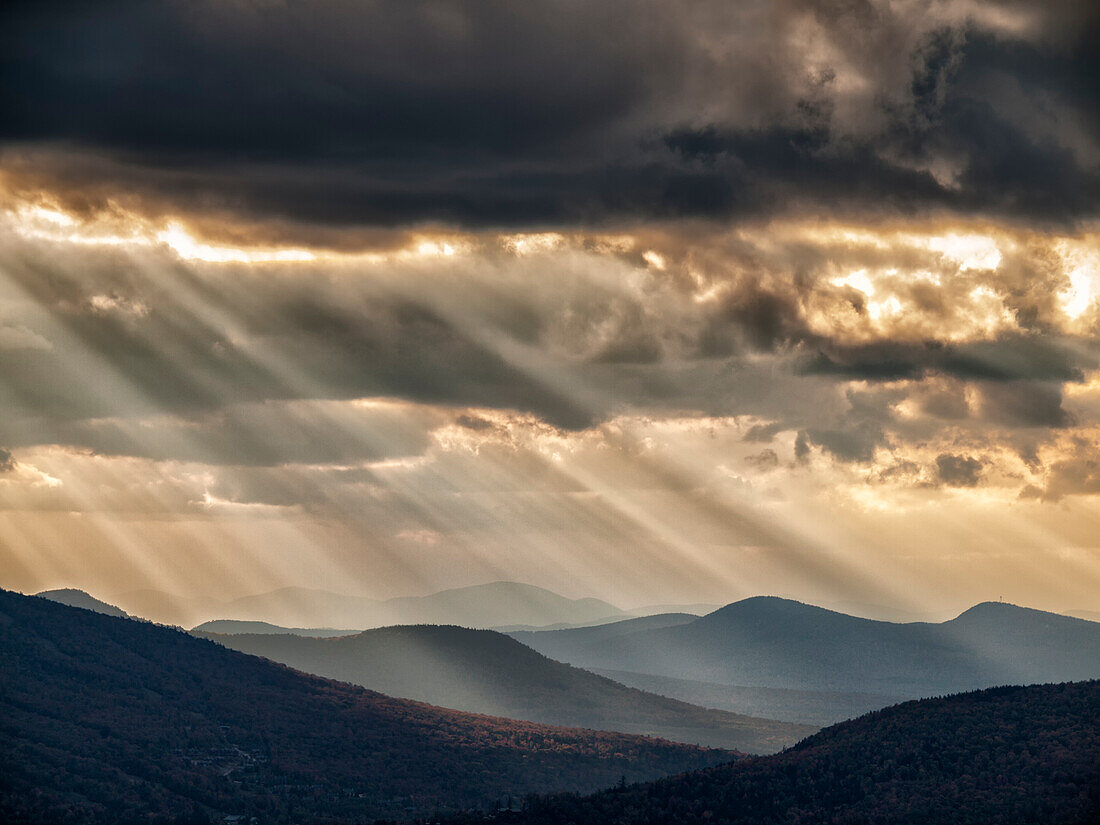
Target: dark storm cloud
[(945, 400), (1077, 476), (741, 173), (978, 107), (1009, 358), (753, 317), (958, 470), (1025, 404), (318, 80), (763, 433), (473, 422), (399, 112), (861, 429), (7, 461), (855, 445), (765, 459), (802, 447)]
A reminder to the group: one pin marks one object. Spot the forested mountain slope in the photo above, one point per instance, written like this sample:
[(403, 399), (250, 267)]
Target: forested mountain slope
[(1010, 756)]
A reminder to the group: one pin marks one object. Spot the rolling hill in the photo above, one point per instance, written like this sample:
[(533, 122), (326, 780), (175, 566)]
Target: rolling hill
[(1011, 756), (487, 672), (772, 642), (106, 720)]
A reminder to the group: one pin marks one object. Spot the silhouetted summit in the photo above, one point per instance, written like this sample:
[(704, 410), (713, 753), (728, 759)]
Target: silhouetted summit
[(1003, 615), (778, 615), (78, 598)]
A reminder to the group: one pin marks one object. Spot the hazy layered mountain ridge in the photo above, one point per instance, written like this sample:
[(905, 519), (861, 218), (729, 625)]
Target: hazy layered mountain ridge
[(112, 720), (233, 626), (772, 642), (488, 672), (487, 605)]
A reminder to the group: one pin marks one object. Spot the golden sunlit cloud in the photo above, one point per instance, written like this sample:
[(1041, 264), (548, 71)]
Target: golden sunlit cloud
[(559, 406), (939, 282)]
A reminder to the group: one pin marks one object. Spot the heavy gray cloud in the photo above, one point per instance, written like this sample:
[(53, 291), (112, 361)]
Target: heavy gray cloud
[(1025, 404), (1077, 476), (399, 112), (958, 470), (1012, 357)]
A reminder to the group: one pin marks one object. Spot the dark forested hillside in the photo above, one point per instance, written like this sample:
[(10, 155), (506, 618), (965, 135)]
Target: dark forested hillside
[(108, 720), (772, 642), (488, 672), (1010, 756)]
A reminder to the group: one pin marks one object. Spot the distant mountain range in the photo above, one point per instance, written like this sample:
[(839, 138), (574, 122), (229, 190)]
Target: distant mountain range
[(234, 626), (505, 606), (1011, 756), (231, 626), (765, 656), (778, 643), (108, 719), (487, 672), (497, 604)]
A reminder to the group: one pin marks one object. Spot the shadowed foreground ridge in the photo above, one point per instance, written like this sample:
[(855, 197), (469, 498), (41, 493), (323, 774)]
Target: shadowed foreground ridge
[(1010, 756), (106, 720)]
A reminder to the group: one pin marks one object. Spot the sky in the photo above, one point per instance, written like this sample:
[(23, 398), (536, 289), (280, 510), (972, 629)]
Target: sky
[(650, 301)]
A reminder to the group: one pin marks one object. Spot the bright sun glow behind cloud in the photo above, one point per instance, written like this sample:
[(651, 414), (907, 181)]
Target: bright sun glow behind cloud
[(118, 227)]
